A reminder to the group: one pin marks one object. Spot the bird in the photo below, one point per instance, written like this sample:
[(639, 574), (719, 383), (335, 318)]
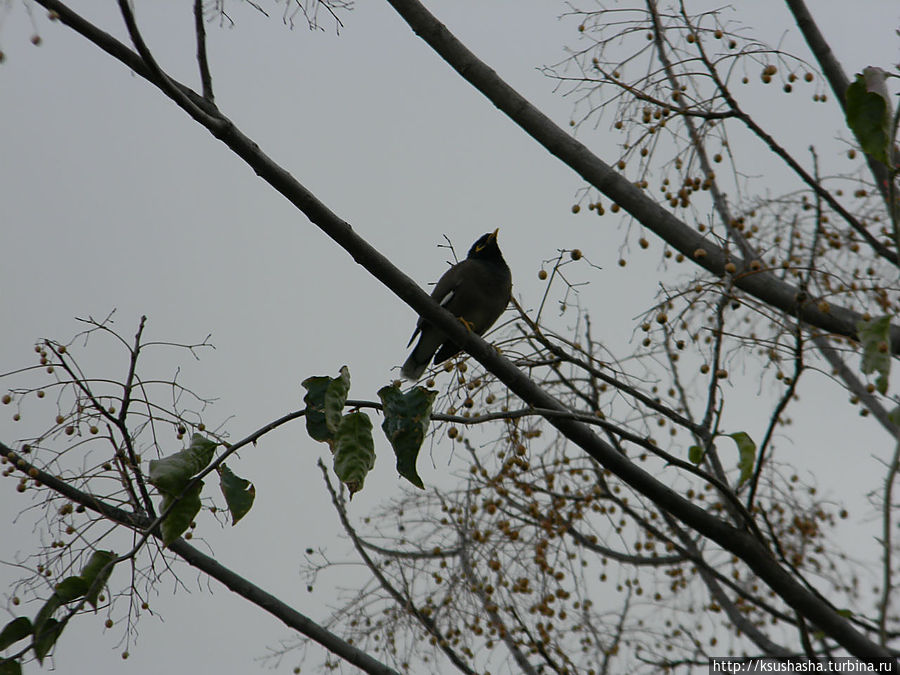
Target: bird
[(475, 290)]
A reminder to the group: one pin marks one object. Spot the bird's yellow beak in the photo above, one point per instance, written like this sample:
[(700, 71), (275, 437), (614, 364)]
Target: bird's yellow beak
[(494, 233)]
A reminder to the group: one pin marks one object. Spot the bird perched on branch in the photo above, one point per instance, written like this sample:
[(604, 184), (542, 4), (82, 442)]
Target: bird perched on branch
[(476, 291)]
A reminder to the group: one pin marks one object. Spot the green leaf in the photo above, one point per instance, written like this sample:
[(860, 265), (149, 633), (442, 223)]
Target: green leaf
[(46, 637), (354, 450), (17, 629), (747, 455), (96, 573), (46, 612), (695, 454), (869, 113), (324, 399), (894, 416), (335, 397), (316, 426), (239, 493), (10, 667), (875, 337), (181, 515), (71, 588), (171, 474), (406, 420)]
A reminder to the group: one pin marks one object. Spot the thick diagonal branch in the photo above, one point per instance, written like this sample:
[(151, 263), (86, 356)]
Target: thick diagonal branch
[(763, 285)]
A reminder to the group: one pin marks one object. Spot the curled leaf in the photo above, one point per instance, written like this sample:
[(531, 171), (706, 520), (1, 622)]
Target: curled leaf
[(875, 337), (354, 450), (324, 399), (171, 474), (46, 637), (746, 455), (869, 113), (17, 629), (96, 572), (182, 514), (71, 588), (406, 420), (239, 493)]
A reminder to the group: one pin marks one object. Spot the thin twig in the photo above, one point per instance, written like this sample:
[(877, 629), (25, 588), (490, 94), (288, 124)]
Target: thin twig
[(249, 591), (402, 600), (202, 61)]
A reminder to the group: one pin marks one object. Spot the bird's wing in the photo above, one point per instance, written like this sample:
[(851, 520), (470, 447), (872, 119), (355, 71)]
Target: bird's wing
[(445, 288), (443, 292)]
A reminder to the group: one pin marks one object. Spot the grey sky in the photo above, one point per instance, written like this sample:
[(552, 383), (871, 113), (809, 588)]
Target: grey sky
[(110, 197)]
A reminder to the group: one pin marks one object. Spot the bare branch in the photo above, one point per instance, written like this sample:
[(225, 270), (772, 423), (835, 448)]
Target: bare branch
[(836, 77), (202, 61), (249, 591)]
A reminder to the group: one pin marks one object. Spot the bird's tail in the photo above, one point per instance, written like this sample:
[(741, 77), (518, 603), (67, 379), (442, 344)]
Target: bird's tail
[(412, 368), (421, 355)]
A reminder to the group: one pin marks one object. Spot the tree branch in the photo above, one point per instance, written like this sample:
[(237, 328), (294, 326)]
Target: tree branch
[(234, 582), (202, 61), (157, 75), (836, 77), (764, 286), (402, 600)]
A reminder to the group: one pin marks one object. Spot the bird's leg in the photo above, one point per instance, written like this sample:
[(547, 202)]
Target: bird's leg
[(467, 324)]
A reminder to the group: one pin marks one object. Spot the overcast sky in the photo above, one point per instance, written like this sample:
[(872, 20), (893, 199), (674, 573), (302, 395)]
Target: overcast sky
[(111, 198)]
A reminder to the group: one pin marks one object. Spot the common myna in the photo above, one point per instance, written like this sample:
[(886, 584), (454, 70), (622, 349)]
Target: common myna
[(475, 290)]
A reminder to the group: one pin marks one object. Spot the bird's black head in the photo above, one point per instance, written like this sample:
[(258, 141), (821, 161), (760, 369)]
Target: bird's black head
[(486, 247)]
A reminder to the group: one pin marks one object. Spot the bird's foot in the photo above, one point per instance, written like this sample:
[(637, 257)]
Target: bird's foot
[(467, 324)]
